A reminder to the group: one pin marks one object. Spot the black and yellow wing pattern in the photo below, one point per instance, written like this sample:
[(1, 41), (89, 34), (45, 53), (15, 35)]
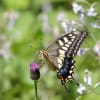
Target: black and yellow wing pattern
[(59, 55)]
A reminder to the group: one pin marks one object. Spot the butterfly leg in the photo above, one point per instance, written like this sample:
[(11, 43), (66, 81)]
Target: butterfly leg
[(63, 82), (75, 81)]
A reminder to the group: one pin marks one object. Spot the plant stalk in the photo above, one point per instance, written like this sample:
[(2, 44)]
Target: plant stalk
[(36, 93)]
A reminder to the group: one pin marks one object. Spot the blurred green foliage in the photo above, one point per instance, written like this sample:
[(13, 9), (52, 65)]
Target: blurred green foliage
[(21, 38)]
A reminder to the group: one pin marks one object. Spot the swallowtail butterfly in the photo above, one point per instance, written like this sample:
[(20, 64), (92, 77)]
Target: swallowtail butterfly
[(59, 55)]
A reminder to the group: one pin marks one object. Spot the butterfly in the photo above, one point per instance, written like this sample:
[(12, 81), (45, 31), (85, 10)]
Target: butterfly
[(59, 56)]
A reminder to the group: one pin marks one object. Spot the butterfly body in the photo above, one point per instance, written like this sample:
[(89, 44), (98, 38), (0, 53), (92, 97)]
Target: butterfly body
[(59, 55)]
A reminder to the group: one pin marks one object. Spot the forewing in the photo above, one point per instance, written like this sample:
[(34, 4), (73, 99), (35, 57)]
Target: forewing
[(76, 45)]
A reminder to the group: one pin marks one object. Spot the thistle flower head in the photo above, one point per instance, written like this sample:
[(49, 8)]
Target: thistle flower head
[(34, 71)]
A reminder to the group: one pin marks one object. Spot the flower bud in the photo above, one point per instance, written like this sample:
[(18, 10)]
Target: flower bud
[(34, 71)]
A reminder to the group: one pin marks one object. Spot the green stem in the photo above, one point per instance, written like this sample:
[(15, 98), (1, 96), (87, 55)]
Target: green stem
[(36, 93)]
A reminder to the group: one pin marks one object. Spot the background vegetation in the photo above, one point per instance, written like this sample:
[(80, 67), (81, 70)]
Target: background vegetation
[(27, 26)]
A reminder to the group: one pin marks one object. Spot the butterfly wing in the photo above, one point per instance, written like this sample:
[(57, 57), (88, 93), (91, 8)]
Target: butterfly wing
[(63, 47), (75, 46)]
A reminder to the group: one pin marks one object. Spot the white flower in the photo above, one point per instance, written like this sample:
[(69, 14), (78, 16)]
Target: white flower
[(96, 24), (82, 89), (68, 26), (64, 26), (88, 80), (87, 77), (13, 16), (56, 31), (91, 12), (61, 16), (82, 51), (45, 23), (5, 48), (77, 8), (97, 48)]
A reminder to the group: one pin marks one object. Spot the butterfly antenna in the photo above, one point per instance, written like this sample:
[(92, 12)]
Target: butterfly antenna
[(66, 88)]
